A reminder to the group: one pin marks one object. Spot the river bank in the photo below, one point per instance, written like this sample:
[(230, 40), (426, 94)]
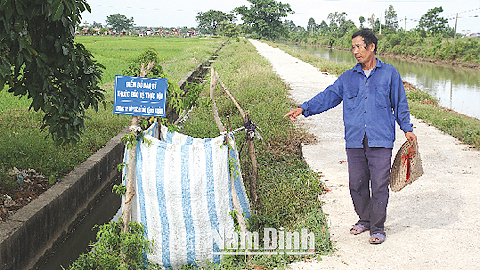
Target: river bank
[(406, 57), (419, 59)]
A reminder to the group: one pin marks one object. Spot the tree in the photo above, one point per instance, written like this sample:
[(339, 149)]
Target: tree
[(361, 19), (336, 19), (210, 20), (119, 22), (39, 59), (391, 21), (323, 27), (265, 17), (96, 24), (339, 24), (229, 29), (372, 21), (432, 22), (290, 25), (311, 26)]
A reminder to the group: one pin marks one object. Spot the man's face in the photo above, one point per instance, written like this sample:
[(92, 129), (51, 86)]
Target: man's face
[(360, 50)]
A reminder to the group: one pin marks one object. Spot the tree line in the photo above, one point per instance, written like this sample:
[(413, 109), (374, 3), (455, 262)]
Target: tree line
[(264, 19)]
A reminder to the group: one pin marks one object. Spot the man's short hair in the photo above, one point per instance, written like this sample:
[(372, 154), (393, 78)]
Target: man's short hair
[(368, 37)]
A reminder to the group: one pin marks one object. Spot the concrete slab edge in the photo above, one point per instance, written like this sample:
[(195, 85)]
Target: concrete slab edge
[(34, 229)]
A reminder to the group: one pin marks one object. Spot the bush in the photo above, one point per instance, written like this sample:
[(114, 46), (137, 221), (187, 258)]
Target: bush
[(116, 250), (468, 49), (446, 52), (398, 49), (419, 96)]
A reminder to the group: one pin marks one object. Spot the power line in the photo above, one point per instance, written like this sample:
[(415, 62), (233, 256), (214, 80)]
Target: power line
[(454, 16)]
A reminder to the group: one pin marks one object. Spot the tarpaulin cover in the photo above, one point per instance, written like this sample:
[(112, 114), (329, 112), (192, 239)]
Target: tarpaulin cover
[(183, 196)]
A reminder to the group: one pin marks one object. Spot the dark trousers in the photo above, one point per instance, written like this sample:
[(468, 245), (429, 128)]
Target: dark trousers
[(369, 172)]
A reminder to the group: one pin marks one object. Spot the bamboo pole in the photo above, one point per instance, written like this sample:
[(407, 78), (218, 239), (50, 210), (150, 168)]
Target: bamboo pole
[(250, 145), (221, 128), (253, 158), (230, 96), (131, 162), (212, 97)]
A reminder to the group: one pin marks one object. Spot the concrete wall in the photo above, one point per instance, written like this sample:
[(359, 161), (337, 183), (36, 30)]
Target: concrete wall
[(30, 232)]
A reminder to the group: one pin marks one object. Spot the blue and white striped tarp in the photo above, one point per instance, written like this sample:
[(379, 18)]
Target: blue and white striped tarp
[(183, 196)]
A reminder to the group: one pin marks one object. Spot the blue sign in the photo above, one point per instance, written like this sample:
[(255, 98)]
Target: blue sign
[(140, 96)]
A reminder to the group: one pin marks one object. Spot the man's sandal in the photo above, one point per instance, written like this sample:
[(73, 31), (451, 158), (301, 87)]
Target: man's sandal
[(358, 229), (377, 238)]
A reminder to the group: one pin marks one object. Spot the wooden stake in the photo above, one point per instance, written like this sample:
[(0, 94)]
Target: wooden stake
[(230, 95), (250, 145), (221, 128), (131, 165), (212, 96), (131, 161), (253, 158)]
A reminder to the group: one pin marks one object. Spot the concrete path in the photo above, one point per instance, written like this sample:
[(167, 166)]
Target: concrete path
[(432, 224)]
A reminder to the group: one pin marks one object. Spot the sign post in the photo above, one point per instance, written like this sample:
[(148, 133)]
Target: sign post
[(138, 96)]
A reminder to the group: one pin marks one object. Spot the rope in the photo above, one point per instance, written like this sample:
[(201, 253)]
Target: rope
[(251, 132), (407, 158)]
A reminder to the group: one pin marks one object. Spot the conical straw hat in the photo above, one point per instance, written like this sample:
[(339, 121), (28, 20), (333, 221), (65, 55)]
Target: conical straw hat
[(407, 166)]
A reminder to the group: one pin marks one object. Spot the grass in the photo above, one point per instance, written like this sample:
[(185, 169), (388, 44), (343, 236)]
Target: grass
[(425, 107), (411, 44), (26, 147), (287, 188)]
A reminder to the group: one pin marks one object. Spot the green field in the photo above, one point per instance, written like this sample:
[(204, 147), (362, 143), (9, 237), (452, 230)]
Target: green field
[(23, 144), (176, 54)]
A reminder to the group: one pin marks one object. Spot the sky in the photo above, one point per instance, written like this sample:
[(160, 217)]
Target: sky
[(180, 13)]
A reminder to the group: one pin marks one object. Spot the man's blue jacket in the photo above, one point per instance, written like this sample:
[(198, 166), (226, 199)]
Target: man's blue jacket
[(370, 105)]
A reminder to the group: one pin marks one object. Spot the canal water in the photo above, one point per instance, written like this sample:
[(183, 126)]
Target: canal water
[(454, 87), (78, 240)]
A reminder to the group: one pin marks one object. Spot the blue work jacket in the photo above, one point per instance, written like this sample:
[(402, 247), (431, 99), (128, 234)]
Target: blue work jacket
[(370, 105)]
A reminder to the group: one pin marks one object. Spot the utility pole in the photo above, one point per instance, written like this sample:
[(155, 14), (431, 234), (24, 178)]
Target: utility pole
[(405, 24), (380, 24), (455, 31)]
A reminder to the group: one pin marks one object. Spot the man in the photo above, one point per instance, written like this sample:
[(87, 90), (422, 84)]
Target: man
[(373, 98)]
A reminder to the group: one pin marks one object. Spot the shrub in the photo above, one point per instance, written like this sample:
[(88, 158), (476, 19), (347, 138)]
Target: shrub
[(116, 250)]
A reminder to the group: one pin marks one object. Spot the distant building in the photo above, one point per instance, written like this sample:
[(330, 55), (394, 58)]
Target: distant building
[(466, 33)]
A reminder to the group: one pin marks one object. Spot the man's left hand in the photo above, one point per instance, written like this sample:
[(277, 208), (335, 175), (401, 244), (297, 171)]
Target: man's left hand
[(411, 137)]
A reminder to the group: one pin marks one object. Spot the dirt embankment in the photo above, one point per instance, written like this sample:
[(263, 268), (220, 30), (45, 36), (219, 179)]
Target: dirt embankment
[(413, 58), (417, 59)]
